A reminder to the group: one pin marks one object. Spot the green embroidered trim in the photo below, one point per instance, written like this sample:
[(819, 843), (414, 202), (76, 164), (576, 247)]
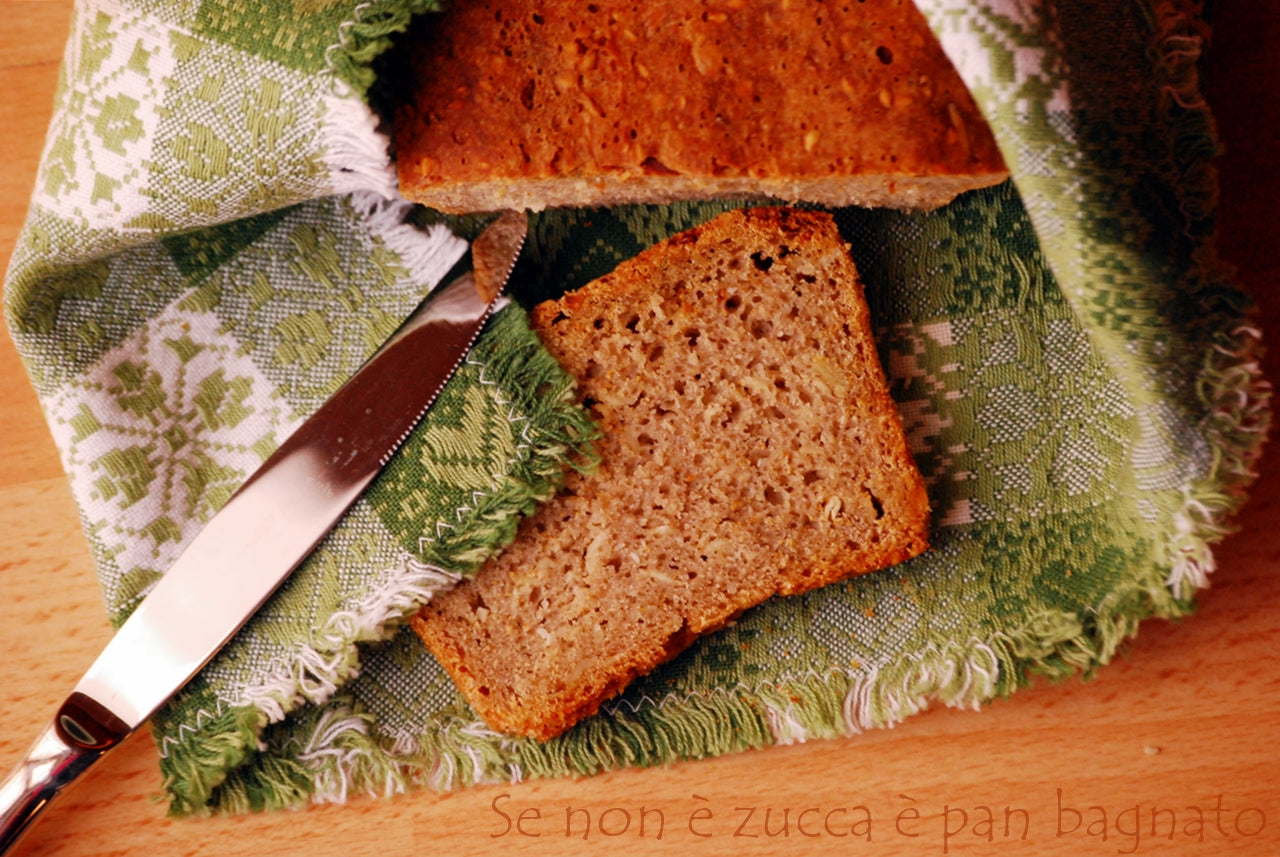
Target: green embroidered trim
[(554, 432), (230, 737), (328, 754), (369, 32)]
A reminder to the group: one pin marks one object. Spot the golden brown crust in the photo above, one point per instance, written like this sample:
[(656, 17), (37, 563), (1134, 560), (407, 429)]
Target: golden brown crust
[(523, 105), (750, 449)]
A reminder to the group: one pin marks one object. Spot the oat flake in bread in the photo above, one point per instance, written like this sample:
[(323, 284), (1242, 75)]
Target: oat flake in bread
[(529, 105), (750, 448)]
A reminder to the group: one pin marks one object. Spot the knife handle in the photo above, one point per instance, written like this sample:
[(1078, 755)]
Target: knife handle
[(50, 765)]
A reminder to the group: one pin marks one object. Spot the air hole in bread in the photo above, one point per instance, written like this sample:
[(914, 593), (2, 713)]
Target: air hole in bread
[(651, 166)]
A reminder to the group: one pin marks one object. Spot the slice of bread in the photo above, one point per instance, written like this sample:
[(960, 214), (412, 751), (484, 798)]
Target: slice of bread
[(750, 449), (524, 105)]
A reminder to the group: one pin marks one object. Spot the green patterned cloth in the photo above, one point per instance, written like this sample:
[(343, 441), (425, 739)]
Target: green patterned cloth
[(214, 243)]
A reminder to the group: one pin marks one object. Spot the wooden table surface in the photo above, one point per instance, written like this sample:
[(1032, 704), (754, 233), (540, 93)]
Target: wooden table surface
[(1181, 732)]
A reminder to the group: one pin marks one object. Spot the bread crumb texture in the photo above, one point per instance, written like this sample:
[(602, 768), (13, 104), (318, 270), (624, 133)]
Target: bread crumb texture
[(750, 449), (529, 105)]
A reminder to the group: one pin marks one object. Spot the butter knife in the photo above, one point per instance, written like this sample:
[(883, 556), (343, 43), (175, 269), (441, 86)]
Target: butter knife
[(263, 532)]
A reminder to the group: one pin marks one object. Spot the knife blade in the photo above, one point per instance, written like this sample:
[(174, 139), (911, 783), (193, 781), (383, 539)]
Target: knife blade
[(263, 532)]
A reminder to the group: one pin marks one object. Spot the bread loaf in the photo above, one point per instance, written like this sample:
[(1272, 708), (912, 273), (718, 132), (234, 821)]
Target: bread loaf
[(750, 448), (528, 105)]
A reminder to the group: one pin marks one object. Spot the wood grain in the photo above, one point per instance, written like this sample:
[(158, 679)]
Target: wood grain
[(1180, 732)]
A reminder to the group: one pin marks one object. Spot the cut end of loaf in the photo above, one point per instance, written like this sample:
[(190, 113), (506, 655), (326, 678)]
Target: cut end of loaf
[(750, 449), (517, 105)]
